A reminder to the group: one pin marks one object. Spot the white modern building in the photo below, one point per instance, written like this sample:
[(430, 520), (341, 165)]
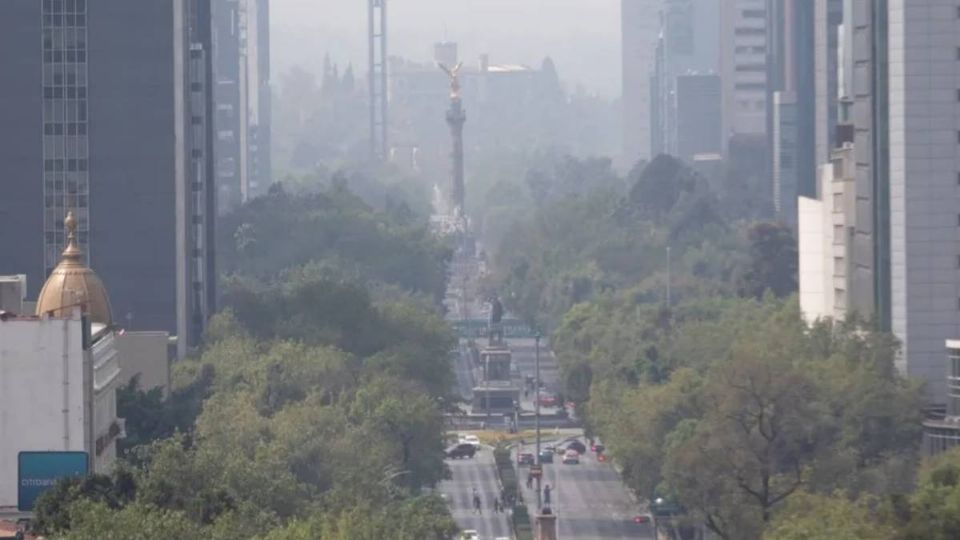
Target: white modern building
[(836, 277), (57, 392), (58, 373)]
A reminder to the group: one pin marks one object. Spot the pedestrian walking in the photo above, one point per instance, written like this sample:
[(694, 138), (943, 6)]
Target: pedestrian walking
[(529, 481), (546, 495), (476, 504)]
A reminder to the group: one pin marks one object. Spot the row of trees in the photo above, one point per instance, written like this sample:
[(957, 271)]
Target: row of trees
[(737, 406), (717, 396), (590, 233), (315, 409)]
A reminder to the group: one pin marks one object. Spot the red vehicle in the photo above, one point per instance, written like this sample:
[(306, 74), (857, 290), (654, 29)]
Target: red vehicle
[(525, 458), (641, 519), (546, 400)]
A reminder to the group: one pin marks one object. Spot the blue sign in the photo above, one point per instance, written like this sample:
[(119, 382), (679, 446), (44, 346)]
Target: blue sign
[(40, 471)]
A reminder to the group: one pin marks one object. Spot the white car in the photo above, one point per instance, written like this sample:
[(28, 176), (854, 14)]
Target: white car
[(470, 439), (469, 534), (571, 457)]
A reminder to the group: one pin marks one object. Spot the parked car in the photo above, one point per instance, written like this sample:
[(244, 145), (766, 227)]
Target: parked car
[(550, 448), (469, 534), (571, 457), (641, 519), (546, 456), (599, 448), (461, 450), (470, 439), (525, 458)]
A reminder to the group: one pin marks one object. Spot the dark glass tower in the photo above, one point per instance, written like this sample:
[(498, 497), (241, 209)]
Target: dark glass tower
[(105, 113)]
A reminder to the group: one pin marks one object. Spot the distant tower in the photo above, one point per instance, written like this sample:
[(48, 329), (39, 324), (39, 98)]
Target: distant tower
[(456, 117), (378, 79)]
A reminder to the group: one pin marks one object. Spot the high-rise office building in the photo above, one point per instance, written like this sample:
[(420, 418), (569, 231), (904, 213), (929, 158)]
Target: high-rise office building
[(827, 20), (900, 63), (791, 99), (686, 47), (241, 33), (699, 116), (640, 25), (743, 66), (105, 112), (924, 182)]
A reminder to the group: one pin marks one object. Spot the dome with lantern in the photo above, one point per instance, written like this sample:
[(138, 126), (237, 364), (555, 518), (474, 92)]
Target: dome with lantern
[(72, 283)]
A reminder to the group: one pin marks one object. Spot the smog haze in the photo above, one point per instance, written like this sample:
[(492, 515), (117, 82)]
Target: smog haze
[(582, 36)]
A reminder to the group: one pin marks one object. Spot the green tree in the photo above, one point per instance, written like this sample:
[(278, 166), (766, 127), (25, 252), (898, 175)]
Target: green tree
[(773, 261), (934, 508), (97, 521), (829, 517)]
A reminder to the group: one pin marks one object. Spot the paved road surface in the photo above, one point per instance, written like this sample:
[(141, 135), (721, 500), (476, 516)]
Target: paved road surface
[(479, 473), (590, 501)]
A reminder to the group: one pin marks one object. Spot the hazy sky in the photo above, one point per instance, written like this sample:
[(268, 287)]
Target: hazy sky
[(582, 36)]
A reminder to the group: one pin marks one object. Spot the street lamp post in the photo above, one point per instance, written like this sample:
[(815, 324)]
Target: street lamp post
[(668, 277), (536, 408)]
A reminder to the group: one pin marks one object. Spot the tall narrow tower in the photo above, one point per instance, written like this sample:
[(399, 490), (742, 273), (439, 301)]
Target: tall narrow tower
[(378, 79), (456, 117)]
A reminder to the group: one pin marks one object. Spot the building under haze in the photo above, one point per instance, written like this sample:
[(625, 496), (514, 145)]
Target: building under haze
[(699, 116), (640, 28), (924, 174), (105, 111), (791, 104), (686, 54), (743, 66), (897, 68), (241, 35)]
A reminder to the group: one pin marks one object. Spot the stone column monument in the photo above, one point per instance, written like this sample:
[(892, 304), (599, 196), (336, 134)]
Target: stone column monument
[(456, 117)]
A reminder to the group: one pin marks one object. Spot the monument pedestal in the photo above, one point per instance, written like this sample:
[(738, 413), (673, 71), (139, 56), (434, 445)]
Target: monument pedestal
[(546, 527)]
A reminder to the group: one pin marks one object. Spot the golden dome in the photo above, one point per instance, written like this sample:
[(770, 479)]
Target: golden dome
[(72, 283)]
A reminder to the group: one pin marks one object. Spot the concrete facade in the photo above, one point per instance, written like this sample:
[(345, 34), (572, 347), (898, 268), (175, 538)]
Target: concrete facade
[(699, 116), (833, 280), (57, 392), (13, 293), (924, 158), (743, 66), (145, 355)]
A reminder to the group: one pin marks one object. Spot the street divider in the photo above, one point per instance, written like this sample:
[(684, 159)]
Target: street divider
[(511, 494)]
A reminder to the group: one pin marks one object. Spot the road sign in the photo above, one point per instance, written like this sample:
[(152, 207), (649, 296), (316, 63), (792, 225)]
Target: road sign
[(40, 471), (536, 471)]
